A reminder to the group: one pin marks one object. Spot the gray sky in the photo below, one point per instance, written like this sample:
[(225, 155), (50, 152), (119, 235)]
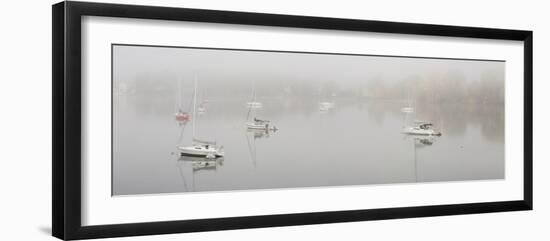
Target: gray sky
[(235, 68)]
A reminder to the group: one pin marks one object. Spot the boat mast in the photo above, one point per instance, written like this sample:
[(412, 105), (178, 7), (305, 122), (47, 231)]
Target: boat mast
[(254, 94), (177, 105), (248, 114), (409, 104), (194, 106), (253, 102), (254, 91), (179, 95)]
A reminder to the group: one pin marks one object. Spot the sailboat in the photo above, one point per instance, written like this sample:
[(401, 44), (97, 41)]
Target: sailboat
[(325, 106), (201, 109), (257, 124), (421, 128), (254, 104), (201, 148), (181, 116), (408, 108)]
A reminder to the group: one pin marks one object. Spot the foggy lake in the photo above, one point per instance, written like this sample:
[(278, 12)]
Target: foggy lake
[(356, 139)]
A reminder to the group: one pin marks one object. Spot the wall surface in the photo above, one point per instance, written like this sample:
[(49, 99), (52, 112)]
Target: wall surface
[(25, 123)]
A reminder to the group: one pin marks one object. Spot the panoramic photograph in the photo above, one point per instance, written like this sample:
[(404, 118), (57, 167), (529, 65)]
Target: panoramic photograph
[(188, 119)]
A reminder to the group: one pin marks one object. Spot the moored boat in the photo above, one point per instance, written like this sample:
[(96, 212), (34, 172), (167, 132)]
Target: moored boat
[(182, 116), (326, 106), (198, 147), (421, 128), (202, 149), (407, 110), (254, 104), (260, 125)]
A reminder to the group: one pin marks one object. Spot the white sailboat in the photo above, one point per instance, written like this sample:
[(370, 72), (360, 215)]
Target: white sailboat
[(418, 128), (254, 104), (326, 106), (201, 148), (181, 116), (421, 128), (409, 108), (258, 124), (201, 109)]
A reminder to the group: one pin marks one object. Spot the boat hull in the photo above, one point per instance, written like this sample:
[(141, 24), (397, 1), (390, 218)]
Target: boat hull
[(182, 118), (254, 105), (256, 126), (419, 132), (192, 151), (253, 126)]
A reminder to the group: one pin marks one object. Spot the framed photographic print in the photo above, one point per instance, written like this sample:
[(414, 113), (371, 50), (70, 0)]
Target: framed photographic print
[(169, 120)]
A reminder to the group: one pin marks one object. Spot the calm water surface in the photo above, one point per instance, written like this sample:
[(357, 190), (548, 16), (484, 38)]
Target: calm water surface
[(358, 142)]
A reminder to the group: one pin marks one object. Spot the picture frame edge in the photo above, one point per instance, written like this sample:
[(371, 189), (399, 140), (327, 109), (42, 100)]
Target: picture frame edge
[(66, 189)]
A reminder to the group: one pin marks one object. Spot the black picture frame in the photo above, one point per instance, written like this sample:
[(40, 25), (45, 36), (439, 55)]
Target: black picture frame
[(66, 127)]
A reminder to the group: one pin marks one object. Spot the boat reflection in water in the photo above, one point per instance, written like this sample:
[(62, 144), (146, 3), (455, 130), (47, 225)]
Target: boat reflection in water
[(201, 163), (256, 134), (260, 133), (195, 165), (419, 142), (424, 141)]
